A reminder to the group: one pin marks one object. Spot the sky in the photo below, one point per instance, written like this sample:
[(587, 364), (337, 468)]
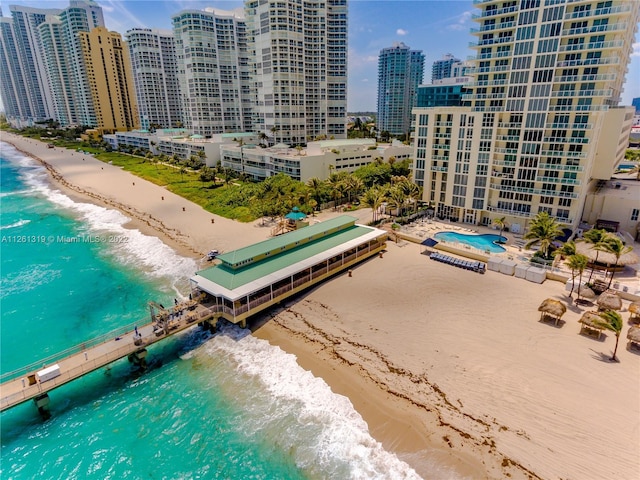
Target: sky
[(436, 27)]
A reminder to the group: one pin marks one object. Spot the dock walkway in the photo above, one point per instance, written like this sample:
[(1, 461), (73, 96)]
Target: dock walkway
[(23, 385)]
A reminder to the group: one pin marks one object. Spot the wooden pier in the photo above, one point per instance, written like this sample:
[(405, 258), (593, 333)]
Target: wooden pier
[(26, 384)]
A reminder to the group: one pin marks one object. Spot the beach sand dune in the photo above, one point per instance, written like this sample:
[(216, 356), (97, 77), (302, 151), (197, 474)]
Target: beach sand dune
[(452, 370)]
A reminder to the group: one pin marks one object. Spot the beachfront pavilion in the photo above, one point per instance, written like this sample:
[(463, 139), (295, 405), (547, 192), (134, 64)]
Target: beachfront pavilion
[(253, 278)]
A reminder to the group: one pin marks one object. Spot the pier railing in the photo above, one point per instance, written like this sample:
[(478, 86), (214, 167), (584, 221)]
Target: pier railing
[(68, 352)]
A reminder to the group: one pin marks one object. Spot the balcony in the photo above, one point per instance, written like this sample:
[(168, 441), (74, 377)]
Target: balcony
[(444, 124), (532, 191), (585, 78), (583, 93), (439, 169), (442, 135), (504, 163), (509, 125), (565, 126), (508, 138), (554, 153), (578, 108), (564, 181), (513, 151), (588, 61), (592, 46), (491, 41), (564, 168), (498, 68), (492, 13), (486, 56), (494, 27), (614, 27), (598, 12), (565, 140), (440, 157), (483, 96), (486, 83)]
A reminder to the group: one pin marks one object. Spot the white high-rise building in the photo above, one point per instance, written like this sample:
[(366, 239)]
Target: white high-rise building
[(542, 126), (213, 70), (29, 97), (299, 50), (43, 74), (155, 75)]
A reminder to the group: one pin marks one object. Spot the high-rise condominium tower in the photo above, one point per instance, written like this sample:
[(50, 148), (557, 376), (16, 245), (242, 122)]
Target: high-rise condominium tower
[(400, 72), (299, 52), (443, 68), (155, 75), (213, 70), (44, 75), (542, 124), (108, 67), (30, 59)]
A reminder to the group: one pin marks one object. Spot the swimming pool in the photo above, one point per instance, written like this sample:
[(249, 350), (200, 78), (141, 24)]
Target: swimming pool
[(481, 242)]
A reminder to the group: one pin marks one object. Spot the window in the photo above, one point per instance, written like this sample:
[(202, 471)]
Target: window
[(634, 214)]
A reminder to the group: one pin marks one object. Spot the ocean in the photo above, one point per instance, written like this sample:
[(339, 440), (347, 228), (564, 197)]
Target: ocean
[(226, 406)]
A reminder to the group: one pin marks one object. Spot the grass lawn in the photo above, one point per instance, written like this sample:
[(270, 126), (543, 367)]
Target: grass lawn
[(187, 185)]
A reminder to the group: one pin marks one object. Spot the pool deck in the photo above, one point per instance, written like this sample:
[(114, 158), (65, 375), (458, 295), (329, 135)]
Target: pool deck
[(423, 229)]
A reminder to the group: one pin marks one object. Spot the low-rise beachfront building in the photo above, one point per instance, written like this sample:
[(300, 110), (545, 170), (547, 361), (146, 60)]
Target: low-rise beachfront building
[(253, 278), (179, 142), (618, 200), (318, 159)]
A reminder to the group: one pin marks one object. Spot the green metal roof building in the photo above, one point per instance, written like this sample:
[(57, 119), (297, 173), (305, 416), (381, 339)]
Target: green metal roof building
[(253, 278)]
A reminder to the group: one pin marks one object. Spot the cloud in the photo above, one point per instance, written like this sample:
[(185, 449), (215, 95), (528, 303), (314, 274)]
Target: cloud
[(461, 21), (636, 50), (401, 31), (119, 17), (365, 79)]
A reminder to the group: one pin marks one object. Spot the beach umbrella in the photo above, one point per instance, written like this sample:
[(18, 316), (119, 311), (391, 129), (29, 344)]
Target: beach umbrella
[(295, 214), (609, 301), (634, 335), (607, 258), (634, 310), (553, 308), (587, 293), (591, 321)]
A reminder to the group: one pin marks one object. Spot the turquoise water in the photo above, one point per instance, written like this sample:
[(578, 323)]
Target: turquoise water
[(481, 242), (225, 406)]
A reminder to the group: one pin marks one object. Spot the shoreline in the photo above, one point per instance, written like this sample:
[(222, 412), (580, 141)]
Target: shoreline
[(437, 381)]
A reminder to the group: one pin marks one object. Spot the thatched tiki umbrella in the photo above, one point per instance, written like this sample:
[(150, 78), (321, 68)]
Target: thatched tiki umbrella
[(634, 310), (609, 301), (591, 323), (553, 309), (633, 335)]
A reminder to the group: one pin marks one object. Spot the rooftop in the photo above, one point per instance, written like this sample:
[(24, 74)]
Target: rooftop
[(280, 243)]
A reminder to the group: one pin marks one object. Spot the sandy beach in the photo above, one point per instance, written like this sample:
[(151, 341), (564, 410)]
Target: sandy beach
[(447, 366)]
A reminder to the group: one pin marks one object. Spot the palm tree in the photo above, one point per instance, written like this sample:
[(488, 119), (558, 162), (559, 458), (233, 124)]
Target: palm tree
[(334, 181), (373, 199), (612, 244), (543, 229), (595, 237), (316, 186), (565, 251), (501, 224), (611, 320), (397, 199), (274, 130), (577, 263), (183, 170)]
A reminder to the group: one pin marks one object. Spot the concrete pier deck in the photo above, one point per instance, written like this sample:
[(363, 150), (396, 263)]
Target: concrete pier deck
[(20, 387)]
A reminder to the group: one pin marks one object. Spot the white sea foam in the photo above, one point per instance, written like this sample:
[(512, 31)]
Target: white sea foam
[(130, 247), (322, 431), (28, 279), (17, 224)]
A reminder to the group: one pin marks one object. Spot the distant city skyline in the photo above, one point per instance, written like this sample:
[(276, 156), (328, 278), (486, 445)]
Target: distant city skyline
[(436, 27)]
